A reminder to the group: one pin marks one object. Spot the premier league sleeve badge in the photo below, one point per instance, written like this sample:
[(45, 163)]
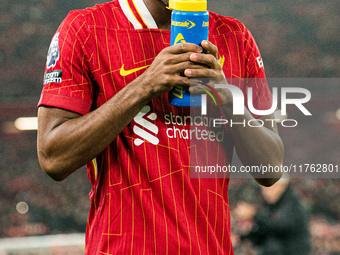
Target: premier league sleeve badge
[(53, 52)]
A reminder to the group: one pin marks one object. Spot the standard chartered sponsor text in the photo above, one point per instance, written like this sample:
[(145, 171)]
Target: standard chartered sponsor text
[(202, 128)]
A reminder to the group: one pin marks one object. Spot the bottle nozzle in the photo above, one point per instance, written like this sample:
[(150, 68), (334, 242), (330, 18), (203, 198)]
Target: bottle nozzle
[(188, 5)]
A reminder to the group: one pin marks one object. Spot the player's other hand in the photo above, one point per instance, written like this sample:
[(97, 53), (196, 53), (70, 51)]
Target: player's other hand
[(213, 72), (168, 67), (210, 60)]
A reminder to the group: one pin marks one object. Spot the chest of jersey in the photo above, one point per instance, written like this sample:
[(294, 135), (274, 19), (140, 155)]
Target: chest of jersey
[(160, 128), (122, 55)]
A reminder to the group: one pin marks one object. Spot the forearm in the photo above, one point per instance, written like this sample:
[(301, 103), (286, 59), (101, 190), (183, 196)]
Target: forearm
[(76, 141), (67, 141), (256, 146)]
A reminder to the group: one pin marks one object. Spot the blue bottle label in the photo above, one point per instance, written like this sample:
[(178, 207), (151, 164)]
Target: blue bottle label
[(190, 27)]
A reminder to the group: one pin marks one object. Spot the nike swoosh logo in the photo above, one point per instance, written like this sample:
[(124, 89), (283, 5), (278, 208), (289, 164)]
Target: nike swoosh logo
[(124, 72)]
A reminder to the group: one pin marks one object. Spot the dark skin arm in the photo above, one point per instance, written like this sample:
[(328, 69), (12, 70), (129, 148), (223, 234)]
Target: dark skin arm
[(254, 146), (68, 140), (88, 135)]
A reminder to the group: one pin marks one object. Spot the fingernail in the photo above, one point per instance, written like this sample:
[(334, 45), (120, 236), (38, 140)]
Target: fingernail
[(194, 57), (188, 72)]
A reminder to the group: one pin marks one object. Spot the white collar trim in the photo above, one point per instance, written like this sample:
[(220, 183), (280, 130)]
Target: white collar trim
[(143, 12)]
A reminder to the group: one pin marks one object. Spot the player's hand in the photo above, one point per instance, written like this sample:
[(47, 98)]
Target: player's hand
[(210, 60), (213, 72), (165, 71)]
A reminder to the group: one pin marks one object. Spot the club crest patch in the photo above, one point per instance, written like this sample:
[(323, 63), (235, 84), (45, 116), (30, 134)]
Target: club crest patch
[(53, 52)]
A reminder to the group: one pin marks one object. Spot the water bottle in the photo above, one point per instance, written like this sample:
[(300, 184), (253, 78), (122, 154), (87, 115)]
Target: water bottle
[(189, 23)]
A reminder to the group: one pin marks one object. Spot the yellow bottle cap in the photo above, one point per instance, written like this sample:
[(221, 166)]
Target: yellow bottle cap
[(188, 5)]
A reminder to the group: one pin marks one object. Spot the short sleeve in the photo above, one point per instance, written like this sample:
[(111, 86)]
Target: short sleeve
[(255, 76), (67, 78)]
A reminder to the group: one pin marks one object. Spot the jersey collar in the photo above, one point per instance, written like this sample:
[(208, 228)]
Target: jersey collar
[(138, 14)]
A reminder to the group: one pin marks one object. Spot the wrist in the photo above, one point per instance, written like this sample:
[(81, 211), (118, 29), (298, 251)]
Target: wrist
[(228, 110), (142, 89)]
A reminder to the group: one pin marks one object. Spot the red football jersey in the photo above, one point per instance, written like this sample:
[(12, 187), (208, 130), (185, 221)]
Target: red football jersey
[(143, 200)]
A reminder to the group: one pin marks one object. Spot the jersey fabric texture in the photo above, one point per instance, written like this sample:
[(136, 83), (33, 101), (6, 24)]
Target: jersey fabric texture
[(143, 200)]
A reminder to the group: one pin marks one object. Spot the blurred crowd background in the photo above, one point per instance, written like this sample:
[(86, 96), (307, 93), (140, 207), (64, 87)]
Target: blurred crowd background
[(297, 39)]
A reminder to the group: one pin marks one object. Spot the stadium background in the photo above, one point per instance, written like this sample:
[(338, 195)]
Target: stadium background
[(296, 38)]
